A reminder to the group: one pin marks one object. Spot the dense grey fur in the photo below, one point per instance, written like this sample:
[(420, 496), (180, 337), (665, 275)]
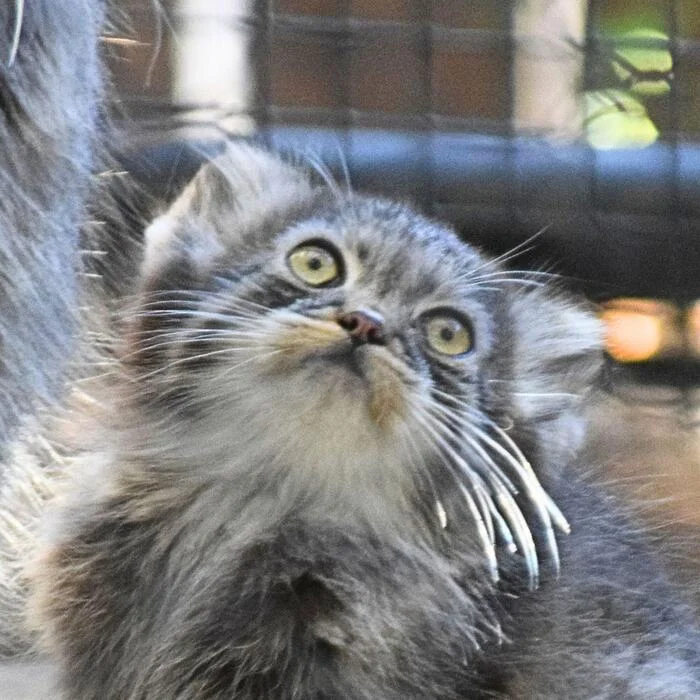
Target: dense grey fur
[(265, 510), (50, 117), (49, 110)]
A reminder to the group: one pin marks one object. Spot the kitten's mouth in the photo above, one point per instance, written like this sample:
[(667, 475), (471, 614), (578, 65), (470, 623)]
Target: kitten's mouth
[(325, 350), (343, 355)]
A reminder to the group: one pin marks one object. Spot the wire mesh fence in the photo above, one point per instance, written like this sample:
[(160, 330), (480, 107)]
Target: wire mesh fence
[(423, 65), (576, 120)]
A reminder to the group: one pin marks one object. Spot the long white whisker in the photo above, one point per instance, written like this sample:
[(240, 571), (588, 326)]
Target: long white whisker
[(191, 313), (513, 515), (483, 287), (201, 356), (481, 514), (205, 297), (521, 466), (16, 32), (535, 494), (477, 284), (190, 309), (178, 341), (514, 252), (483, 531), (254, 358), (481, 494), (546, 509), (344, 167), (508, 276), (553, 509), (413, 455), (522, 273), (322, 170), (461, 424)]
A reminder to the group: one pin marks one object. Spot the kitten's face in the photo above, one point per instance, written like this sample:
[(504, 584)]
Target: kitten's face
[(349, 324), (345, 339), (360, 319)]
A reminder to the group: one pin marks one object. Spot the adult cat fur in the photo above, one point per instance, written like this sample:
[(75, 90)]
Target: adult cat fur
[(51, 90), (50, 104), (298, 485)]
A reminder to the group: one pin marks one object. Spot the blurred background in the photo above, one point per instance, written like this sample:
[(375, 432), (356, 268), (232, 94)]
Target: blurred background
[(576, 122)]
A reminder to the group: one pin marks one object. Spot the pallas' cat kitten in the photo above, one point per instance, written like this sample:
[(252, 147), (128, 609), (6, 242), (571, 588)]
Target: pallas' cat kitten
[(328, 467)]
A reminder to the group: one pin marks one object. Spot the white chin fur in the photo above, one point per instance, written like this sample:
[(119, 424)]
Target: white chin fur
[(309, 435)]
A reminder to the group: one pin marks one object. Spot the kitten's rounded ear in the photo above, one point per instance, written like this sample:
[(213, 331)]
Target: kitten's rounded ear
[(229, 201), (558, 357), (170, 237)]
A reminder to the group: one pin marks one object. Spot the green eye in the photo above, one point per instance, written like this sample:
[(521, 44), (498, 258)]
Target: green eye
[(448, 334), (314, 265)]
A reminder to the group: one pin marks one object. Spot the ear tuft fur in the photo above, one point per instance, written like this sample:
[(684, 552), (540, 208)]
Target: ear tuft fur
[(231, 197), (558, 355)]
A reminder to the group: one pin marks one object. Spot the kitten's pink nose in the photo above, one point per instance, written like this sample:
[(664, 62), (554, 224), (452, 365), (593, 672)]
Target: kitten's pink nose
[(363, 326)]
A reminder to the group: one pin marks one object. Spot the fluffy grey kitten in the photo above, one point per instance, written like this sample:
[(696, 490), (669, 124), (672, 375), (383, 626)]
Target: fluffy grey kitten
[(326, 467)]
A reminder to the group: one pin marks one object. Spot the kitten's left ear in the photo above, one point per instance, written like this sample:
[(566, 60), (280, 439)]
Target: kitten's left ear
[(558, 356), (230, 201), (169, 236)]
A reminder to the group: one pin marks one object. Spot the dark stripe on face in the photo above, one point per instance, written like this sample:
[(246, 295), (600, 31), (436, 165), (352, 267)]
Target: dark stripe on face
[(172, 338), (271, 291)]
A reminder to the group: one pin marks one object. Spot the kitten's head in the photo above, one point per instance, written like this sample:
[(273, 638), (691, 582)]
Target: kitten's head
[(345, 350)]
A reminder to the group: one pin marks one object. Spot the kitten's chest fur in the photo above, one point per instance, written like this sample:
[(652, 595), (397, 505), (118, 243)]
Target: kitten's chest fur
[(284, 608)]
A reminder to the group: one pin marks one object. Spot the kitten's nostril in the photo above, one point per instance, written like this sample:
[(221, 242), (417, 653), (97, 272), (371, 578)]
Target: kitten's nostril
[(363, 326), (375, 336), (349, 322)]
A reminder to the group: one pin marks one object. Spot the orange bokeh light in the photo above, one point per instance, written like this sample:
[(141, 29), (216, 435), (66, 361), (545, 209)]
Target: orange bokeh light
[(693, 328), (631, 336), (637, 330)]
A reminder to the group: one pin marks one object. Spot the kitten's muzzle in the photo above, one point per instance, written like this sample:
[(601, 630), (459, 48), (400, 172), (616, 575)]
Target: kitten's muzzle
[(363, 326)]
